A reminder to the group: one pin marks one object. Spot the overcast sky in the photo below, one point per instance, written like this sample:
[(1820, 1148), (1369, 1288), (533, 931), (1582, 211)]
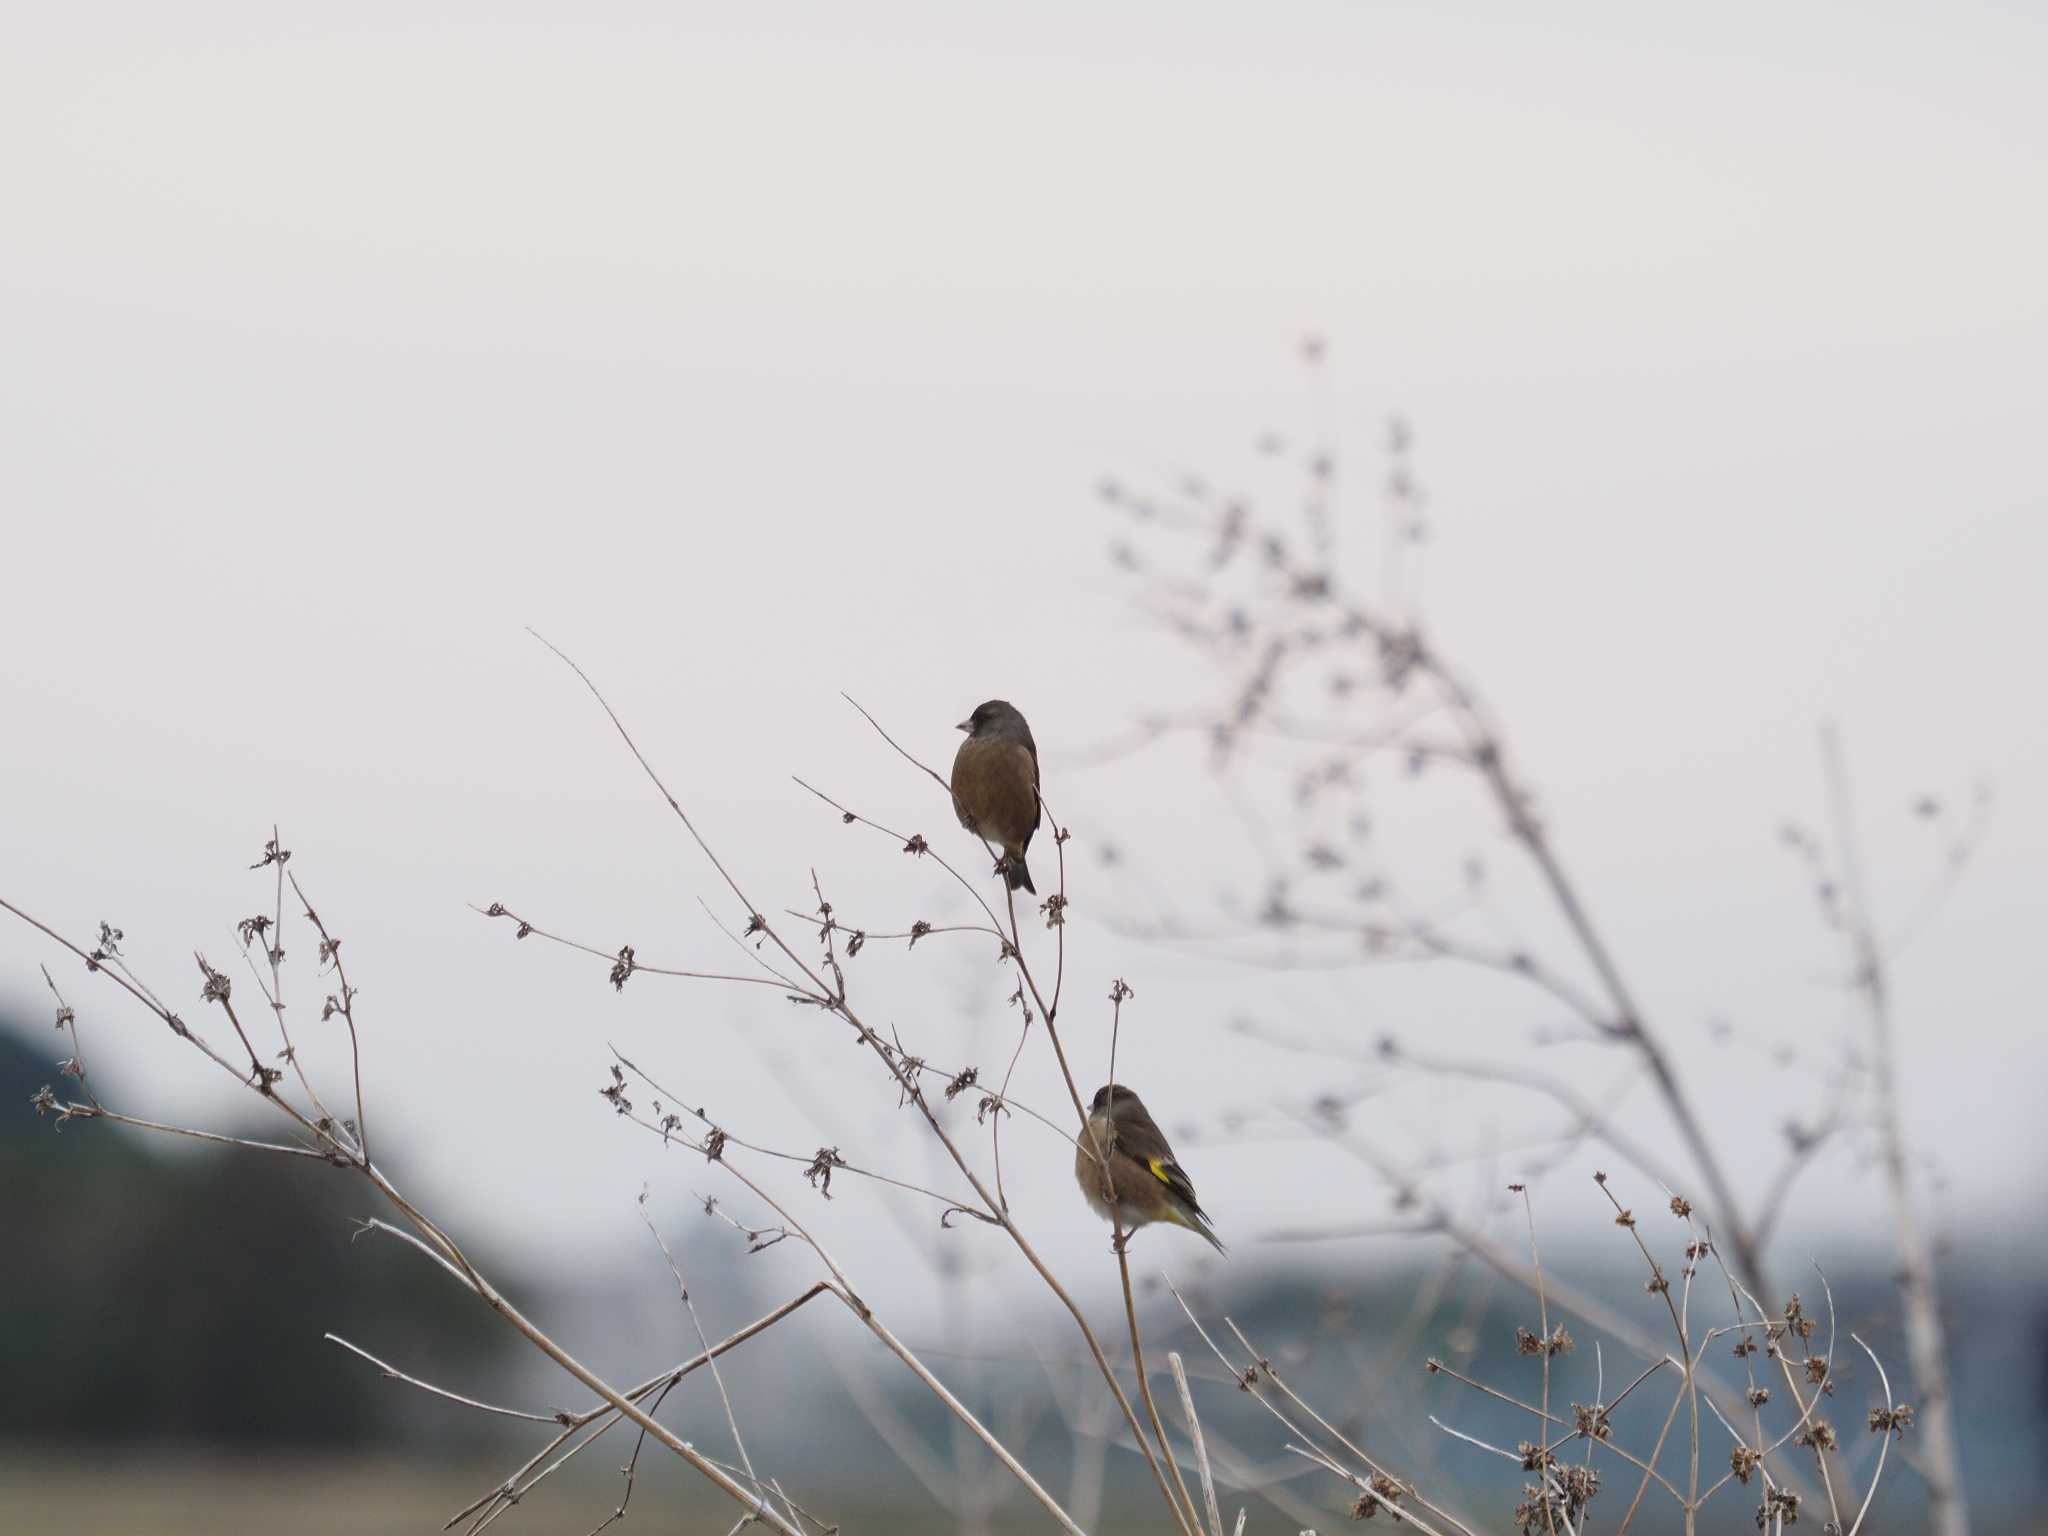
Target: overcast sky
[(756, 360)]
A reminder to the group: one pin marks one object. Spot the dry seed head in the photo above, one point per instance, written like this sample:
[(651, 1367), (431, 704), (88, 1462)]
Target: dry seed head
[(1385, 1490), (1819, 1436), (819, 1174), (1779, 1505), (615, 1091)]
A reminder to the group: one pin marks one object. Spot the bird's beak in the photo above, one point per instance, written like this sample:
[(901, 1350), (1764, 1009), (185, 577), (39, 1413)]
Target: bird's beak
[(964, 725)]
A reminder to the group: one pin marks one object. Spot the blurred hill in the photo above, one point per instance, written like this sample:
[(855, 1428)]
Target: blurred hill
[(158, 1291)]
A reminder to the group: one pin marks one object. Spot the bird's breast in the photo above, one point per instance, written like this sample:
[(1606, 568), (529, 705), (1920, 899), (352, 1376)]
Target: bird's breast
[(1088, 1171)]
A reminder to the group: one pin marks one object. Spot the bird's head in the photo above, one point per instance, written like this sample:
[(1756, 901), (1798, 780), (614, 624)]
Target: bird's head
[(997, 717), (1111, 1097)]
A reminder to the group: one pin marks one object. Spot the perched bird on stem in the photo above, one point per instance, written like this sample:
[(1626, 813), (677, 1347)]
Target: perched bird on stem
[(1149, 1185), (995, 785)]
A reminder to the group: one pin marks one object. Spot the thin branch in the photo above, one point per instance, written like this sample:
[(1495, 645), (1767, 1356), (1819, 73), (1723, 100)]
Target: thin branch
[(834, 1163), (1248, 1378), (395, 1374), (1271, 1372), (1588, 1113), (611, 957), (330, 949), (703, 1343), (76, 1111), (1884, 1436), (511, 1489), (871, 720)]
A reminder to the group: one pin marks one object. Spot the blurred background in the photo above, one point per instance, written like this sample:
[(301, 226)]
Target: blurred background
[(756, 359)]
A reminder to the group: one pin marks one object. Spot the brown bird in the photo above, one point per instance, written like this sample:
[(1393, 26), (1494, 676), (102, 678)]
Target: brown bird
[(1150, 1186), (995, 785)]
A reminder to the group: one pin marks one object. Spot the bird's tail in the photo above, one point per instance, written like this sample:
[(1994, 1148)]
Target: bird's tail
[(1019, 872), (1197, 1222)]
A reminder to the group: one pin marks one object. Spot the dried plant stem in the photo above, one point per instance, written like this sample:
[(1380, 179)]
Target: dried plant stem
[(1650, 1469), (395, 1374), (697, 1326), (842, 1287), (511, 1489), (1581, 1106), (838, 1165), (1120, 1243), (1805, 1150), (1272, 1374), (1883, 1445), (960, 1411), (1948, 1511), (258, 1079), (331, 948), (608, 956), (1187, 1408), (626, 1407), (1628, 1021), (277, 855), (996, 1130), (631, 1472), (1248, 1376), (1434, 1216), (1543, 1336), (1647, 1468), (1186, 1507), (76, 1111), (431, 1236), (895, 1431)]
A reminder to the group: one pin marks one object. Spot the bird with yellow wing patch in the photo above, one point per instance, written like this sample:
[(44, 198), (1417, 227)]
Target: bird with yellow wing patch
[(1126, 1169)]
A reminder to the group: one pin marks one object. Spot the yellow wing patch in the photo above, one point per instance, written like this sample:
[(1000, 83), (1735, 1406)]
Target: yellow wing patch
[(1159, 1167)]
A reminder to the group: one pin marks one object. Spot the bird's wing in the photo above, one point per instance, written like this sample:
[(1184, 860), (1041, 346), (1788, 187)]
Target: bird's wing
[(1175, 1178), (1037, 804), (1141, 1140), (1030, 744)]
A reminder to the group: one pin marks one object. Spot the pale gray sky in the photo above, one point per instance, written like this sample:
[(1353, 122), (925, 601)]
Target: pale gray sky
[(753, 360)]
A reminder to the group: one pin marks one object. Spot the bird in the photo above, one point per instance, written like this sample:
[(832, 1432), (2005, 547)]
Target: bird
[(1150, 1186), (995, 785)]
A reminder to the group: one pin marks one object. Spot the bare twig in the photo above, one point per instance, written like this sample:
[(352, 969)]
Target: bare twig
[(395, 1374)]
